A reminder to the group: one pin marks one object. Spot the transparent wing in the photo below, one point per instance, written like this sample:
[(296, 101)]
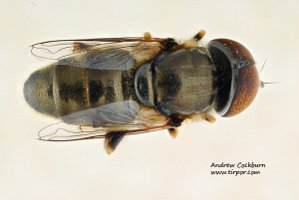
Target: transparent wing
[(61, 131), (113, 59), (59, 49), (96, 122)]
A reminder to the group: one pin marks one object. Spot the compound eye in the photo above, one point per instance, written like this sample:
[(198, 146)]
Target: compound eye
[(237, 77)]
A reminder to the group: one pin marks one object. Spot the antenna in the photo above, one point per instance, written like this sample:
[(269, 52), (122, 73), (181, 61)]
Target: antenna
[(263, 66), (263, 83)]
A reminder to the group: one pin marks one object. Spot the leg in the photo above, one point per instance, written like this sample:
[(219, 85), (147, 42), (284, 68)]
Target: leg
[(147, 36), (199, 35), (175, 121), (193, 42), (169, 44), (112, 139), (173, 132), (208, 117)]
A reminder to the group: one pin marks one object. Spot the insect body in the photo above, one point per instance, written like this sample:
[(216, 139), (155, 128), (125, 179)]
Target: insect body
[(112, 87)]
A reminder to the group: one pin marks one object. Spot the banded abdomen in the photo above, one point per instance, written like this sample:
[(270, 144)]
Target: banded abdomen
[(77, 89)]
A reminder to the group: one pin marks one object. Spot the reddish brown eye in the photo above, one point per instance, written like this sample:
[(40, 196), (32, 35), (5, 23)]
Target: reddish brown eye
[(237, 77)]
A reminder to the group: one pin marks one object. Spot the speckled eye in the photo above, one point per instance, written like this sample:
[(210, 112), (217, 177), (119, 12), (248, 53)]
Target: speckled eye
[(237, 77)]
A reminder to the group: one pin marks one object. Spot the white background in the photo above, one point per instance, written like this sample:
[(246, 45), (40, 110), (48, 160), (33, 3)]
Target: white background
[(154, 166)]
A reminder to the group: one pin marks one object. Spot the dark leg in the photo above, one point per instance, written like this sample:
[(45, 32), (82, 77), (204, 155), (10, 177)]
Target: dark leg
[(175, 121), (112, 139), (169, 44)]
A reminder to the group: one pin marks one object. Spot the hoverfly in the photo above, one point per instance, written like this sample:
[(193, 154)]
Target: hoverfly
[(112, 87)]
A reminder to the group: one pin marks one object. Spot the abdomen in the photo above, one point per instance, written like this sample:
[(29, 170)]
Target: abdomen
[(64, 90)]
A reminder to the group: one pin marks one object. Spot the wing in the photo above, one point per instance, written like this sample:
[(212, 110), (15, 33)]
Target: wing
[(114, 120), (61, 131), (59, 49), (126, 117)]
